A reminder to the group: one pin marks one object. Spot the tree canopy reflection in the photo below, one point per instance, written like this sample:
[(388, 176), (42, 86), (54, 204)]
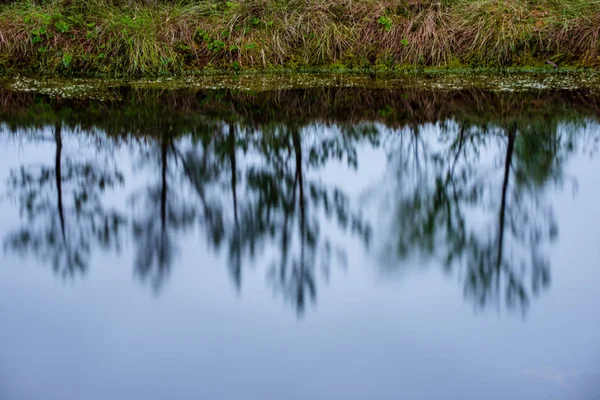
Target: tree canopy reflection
[(61, 205), (474, 198), (468, 176)]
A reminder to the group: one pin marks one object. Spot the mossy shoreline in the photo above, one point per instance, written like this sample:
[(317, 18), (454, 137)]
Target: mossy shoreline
[(112, 88), (133, 38)]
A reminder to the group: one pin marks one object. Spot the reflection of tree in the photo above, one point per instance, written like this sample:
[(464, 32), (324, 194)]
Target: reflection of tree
[(273, 203), (251, 163), (291, 205), (442, 212), (205, 162), (63, 207), (159, 212)]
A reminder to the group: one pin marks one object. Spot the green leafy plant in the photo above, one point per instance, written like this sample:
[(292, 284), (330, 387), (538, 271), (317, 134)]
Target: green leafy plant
[(216, 46), (62, 26), (38, 34), (66, 60), (385, 22), (231, 7), (182, 47), (45, 18), (40, 31), (202, 35), (259, 23)]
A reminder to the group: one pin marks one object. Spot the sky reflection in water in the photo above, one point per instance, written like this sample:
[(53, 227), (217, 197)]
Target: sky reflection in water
[(319, 243)]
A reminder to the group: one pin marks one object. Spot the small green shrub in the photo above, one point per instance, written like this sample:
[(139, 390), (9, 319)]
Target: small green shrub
[(216, 46), (62, 26), (67, 59), (385, 22)]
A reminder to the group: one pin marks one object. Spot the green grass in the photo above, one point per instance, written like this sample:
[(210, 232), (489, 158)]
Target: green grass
[(133, 38)]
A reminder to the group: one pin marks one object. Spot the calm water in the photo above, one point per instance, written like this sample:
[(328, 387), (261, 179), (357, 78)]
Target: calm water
[(304, 244)]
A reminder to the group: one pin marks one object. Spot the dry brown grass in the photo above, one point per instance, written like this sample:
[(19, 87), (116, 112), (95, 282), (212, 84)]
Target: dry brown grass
[(133, 38)]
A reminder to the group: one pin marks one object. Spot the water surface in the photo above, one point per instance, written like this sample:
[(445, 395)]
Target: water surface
[(333, 242)]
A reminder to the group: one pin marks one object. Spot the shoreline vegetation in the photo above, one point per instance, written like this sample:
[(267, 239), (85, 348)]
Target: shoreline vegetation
[(133, 38), (144, 111), (112, 89)]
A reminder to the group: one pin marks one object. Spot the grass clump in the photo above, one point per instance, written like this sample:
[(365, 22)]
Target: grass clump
[(135, 37)]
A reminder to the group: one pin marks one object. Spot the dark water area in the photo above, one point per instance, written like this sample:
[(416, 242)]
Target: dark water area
[(332, 243)]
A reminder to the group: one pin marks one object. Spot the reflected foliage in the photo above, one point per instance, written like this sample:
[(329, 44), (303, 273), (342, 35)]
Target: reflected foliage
[(61, 204), (466, 187), (159, 215), (255, 195), (475, 199)]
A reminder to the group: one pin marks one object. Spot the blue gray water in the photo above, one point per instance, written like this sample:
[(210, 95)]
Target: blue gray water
[(333, 244)]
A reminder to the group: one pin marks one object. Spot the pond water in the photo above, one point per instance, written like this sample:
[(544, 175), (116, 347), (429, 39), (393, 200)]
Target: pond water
[(316, 243)]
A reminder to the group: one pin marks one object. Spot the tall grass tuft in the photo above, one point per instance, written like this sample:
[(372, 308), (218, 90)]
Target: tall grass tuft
[(151, 37)]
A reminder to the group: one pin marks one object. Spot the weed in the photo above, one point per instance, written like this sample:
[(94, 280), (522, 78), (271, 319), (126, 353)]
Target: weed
[(216, 46), (385, 22), (39, 31), (182, 47), (201, 35), (231, 7), (62, 26), (66, 60)]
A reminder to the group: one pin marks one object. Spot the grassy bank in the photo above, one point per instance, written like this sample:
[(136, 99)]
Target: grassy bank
[(116, 37)]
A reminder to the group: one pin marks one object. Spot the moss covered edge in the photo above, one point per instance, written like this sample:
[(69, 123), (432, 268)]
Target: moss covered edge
[(112, 88)]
